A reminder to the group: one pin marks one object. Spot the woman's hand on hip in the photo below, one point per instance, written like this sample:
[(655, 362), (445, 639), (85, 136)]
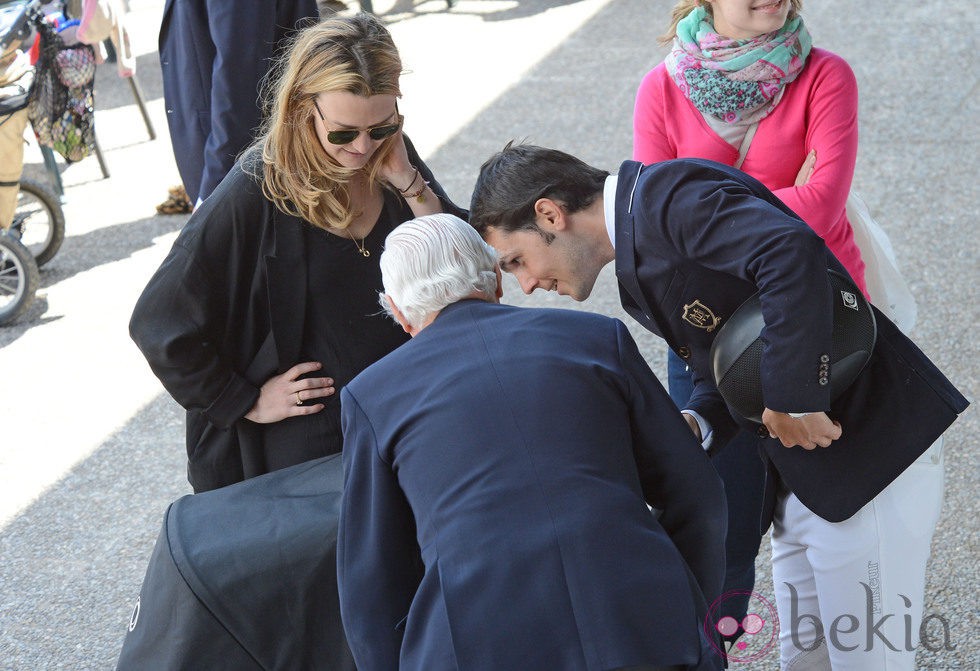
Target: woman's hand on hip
[(283, 395)]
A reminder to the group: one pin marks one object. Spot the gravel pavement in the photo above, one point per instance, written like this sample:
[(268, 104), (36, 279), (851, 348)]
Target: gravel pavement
[(91, 447)]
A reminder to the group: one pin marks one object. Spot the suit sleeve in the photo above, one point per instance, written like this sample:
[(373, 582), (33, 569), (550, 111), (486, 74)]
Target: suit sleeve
[(675, 473), (722, 220), (179, 320), (378, 560), (244, 37), (706, 400)]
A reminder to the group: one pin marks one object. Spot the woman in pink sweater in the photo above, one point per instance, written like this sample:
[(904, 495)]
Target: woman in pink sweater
[(738, 67), (806, 140)]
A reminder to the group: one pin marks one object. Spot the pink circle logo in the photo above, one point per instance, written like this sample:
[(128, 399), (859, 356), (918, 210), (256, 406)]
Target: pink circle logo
[(757, 632)]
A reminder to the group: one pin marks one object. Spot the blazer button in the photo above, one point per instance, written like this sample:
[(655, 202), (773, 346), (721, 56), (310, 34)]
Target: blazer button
[(824, 358), (762, 432), (684, 352), (823, 382)]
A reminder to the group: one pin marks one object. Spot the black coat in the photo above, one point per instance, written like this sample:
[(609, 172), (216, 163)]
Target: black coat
[(225, 312), (695, 239)]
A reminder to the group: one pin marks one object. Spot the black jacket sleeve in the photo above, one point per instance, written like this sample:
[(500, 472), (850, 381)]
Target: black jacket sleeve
[(184, 320), (448, 206)]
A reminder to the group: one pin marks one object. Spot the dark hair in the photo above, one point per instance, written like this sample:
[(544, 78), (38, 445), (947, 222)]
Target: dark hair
[(512, 180)]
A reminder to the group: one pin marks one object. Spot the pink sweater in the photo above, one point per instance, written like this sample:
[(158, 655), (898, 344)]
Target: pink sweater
[(818, 111)]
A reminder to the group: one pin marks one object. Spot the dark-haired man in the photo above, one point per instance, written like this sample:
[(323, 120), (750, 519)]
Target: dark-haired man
[(692, 240)]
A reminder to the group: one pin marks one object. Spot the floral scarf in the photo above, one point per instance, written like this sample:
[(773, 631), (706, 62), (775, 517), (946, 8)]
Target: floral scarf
[(737, 81)]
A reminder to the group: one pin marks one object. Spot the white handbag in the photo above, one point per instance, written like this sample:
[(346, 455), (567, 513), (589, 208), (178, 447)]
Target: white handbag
[(886, 287)]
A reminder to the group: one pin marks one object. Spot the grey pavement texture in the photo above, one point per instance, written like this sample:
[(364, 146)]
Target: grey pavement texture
[(91, 447)]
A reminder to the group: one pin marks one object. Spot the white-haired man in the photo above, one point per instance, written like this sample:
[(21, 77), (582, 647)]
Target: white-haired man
[(498, 469)]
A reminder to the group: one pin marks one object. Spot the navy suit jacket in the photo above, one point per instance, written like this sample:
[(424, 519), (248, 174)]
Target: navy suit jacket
[(497, 472), (213, 54), (694, 240)]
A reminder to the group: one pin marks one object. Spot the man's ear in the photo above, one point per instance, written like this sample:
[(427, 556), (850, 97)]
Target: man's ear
[(549, 215), (399, 317)]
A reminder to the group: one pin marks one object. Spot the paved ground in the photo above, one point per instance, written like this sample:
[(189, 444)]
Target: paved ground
[(91, 447)]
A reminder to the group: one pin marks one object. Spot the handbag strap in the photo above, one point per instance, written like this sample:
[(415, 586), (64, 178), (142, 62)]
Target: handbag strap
[(743, 148)]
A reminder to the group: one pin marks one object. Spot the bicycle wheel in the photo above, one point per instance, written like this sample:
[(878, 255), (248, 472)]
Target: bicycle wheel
[(39, 222), (19, 278)]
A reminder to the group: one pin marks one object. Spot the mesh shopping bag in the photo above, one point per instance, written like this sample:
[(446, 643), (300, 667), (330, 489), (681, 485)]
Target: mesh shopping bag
[(62, 103)]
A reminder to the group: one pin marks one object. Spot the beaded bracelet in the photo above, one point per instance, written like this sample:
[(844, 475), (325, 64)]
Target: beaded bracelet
[(418, 195), (405, 191)]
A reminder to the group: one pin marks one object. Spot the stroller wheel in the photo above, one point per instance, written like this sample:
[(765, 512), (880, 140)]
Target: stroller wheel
[(39, 222), (19, 278)]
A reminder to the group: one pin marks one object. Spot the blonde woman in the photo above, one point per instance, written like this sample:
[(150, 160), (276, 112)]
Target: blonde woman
[(267, 304)]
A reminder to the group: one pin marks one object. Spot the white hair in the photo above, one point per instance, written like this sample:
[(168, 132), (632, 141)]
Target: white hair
[(434, 261)]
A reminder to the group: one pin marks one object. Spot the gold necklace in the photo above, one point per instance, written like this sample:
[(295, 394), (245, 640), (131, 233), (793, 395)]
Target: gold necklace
[(361, 247)]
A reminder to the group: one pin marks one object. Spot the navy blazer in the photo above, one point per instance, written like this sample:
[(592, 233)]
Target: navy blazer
[(497, 472), (694, 239), (213, 54)]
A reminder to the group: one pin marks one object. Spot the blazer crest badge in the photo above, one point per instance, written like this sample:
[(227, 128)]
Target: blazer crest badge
[(699, 315)]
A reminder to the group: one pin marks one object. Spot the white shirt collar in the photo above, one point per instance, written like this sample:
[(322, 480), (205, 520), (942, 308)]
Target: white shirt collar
[(609, 206)]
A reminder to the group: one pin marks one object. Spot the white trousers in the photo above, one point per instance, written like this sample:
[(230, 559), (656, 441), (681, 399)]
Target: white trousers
[(850, 594)]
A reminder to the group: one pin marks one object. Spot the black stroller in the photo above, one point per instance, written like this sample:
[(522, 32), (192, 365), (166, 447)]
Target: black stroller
[(244, 577)]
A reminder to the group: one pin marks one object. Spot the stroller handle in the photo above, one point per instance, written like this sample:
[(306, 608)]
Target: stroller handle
[(18, 27)]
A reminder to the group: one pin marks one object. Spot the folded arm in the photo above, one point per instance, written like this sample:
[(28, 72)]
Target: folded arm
[(832, 134)]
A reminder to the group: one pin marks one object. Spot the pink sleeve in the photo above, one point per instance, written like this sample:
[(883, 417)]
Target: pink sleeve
[(832, 130), (650, 141)]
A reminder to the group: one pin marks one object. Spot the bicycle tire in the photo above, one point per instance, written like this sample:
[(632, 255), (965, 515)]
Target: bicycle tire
[(19, 278), (39, 221)]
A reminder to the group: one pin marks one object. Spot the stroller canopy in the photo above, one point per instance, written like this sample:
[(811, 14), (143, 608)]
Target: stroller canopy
[(244, 577)]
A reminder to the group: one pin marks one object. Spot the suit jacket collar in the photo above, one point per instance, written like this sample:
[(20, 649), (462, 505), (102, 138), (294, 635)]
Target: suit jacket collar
[(453, 313), (629, 175), (631, 295)]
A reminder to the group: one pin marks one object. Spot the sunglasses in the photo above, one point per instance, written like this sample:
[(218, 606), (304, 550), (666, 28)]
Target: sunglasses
[(378, 133)]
